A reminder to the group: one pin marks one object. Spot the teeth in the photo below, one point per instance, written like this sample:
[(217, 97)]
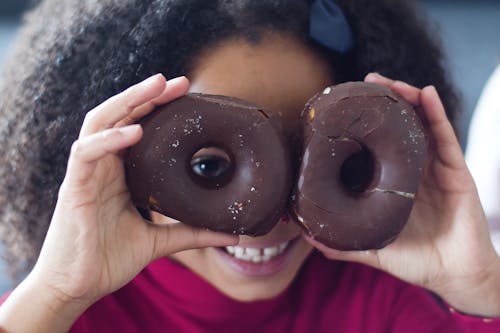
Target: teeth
[(238, 251), (271, 251), (282, 247), (256, 259), (257, 255), (252, 251)]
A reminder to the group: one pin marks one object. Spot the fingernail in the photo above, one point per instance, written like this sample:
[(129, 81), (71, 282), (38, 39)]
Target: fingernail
[(151, 80), (307, 235), (401, 84), (176, 80), (373, 76), (431, 88), (129, 130)]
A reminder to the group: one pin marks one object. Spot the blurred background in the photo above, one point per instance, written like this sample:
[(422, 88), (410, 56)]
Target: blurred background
[(469, 30)]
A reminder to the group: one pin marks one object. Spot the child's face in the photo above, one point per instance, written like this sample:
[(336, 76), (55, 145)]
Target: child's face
[(280, 74)]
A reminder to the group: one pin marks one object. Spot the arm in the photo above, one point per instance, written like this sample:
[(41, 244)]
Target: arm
[(97, 241), (445, 246)]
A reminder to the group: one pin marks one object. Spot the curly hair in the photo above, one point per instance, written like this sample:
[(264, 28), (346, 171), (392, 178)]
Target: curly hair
[(71, 55)]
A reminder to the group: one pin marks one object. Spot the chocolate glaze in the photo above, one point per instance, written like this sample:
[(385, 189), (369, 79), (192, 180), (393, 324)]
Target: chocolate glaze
[(249, 197), (364, 150)]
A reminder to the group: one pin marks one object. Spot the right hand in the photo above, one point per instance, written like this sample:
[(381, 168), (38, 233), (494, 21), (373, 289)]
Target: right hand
[(97, 241)]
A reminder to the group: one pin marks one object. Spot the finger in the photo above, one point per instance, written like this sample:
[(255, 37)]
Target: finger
[(445, 141), (378, 79), (118, 107), (408, 92), (175, 88), (412, 95), (364, 257), (175, 237), (87, 151)]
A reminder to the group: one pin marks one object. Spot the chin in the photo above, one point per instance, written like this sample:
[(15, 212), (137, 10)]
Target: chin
[(259, 269)]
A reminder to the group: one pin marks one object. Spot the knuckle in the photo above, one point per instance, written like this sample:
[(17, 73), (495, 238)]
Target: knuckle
[(63, 189), (115, 98), (89, 116), (128, 91), (124, 98), (162, 243), (198, 236), (108, 132), (76, 148)]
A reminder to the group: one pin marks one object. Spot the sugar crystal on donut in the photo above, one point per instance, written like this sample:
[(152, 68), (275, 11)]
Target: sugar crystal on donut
[(363, 153), (214, 162)]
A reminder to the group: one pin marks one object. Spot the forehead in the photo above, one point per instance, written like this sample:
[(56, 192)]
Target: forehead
[(278, 73)]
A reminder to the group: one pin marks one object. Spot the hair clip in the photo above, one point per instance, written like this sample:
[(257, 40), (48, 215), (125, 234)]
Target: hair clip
[(328, 26)]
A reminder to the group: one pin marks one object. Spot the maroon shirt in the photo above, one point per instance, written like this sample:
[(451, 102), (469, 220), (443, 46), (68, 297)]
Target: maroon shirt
[(326, 296)]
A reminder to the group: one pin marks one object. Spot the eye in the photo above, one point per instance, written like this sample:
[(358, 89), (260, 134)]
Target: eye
[(209, 166), (211, 163)]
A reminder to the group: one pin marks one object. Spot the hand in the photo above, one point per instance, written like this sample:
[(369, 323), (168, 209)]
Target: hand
[(445, 246), (97, 241)]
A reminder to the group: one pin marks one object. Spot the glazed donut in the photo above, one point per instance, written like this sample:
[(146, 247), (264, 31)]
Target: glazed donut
[(364, 150), (214, 162)]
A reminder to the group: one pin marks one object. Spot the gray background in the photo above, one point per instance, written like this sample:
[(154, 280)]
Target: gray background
[(470, 31)]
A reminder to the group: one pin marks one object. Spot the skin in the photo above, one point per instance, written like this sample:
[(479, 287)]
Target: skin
[(88, 250), (259, 74)]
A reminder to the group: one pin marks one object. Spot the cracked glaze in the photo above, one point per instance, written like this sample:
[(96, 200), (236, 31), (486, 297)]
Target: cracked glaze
[(353, 118)]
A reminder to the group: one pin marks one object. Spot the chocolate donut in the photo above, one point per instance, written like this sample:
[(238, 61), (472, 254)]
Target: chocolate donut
[(364, 150), (213, 162)]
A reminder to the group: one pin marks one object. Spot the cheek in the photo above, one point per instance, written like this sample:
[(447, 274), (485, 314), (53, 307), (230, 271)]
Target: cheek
[(303, 249)]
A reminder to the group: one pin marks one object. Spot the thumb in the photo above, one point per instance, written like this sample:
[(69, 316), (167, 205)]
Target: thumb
[(369, 257), (176, 237)]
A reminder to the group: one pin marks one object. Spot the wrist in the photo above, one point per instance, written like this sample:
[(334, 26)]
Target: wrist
[(34, 307), (476, 296)]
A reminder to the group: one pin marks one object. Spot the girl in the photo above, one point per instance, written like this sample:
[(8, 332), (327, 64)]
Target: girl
[(101, 268)]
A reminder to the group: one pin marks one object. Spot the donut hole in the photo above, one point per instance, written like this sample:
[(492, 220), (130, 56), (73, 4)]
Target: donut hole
[(211, 167), (357, 172)]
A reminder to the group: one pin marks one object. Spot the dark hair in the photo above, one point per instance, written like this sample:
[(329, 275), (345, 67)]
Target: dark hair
[(73, 54)]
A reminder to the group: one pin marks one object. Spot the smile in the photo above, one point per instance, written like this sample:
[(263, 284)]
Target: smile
[(258, 260), (257, 255)]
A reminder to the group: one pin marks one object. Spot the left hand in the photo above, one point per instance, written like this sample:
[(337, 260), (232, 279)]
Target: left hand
[(445, 246)]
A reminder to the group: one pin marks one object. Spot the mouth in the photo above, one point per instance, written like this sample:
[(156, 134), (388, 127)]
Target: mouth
[(255, 254), (258, 260)]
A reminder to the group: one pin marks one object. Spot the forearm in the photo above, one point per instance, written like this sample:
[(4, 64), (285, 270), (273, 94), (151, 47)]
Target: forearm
[(33, 308)]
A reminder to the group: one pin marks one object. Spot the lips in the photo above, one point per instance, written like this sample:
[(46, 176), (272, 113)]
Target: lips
[(258, 261)]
